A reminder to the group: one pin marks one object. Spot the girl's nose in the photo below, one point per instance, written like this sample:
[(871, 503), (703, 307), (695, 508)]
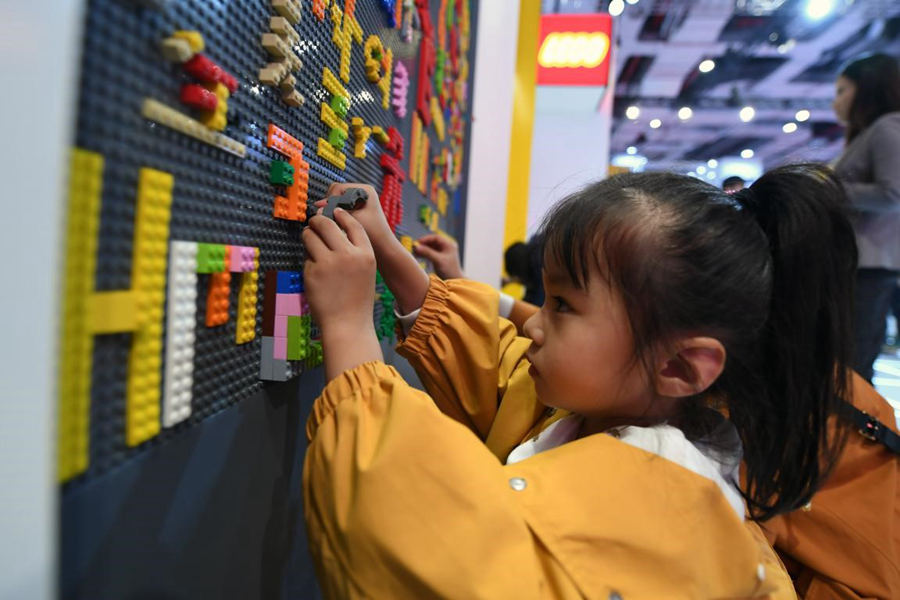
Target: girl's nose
[(532, 328)]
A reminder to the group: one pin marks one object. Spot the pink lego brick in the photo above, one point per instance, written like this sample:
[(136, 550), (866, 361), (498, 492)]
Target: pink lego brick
[(281, 326), (288, 304), (280, 352), (242, 258)]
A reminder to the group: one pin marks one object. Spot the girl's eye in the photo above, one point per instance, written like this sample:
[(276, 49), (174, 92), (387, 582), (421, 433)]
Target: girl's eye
[(560, 305)]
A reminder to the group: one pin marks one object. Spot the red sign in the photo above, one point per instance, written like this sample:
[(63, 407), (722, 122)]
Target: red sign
[(574, 50)]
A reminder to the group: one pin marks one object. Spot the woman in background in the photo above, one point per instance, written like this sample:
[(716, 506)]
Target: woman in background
[(867, 101)]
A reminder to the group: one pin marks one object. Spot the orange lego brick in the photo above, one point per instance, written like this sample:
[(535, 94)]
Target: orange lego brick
[(219, 294)]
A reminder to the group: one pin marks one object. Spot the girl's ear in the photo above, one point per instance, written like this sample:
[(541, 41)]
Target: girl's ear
[(696, 364)]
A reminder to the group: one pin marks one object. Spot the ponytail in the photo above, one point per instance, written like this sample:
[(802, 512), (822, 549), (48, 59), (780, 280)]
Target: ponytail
[(805, 343)]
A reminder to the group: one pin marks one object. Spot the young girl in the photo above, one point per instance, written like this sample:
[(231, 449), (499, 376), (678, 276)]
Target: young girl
[(591, 460)]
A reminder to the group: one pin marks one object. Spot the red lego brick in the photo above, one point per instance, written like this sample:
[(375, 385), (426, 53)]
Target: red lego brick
[(196, 96)]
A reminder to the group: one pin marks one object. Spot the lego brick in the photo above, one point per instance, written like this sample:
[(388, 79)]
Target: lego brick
[(196, 96), (211, 258), (296, 340), (181, 324), (273, 73), (361, 135), (76, 350), (331, 119), (331, 83), (346, 30), (407, 242), (281, 370), (246, 311), (267, 349), (293, 98), (176, 50), (114, 312), (243, 259), (171, 118), (204, 69), (337, 138), (288, 9), (292, 205), (281, 322), (281, 173), (318, 8), (193, 38), (148, 280), (219, 296), (340, 105), (437, 117), (280, 351), (290, 282), (327, 151), (275, 46), (283, 27), (400, 90), (288, 304), (287, 84)]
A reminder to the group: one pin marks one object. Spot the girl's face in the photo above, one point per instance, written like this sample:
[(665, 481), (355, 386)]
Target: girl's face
[(581, 351), (845, 91)]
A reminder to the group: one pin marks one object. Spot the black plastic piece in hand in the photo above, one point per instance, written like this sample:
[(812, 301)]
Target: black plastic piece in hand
[(351, 199)]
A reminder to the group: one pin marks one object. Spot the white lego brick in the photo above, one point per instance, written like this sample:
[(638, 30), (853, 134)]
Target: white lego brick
[(181, 323)]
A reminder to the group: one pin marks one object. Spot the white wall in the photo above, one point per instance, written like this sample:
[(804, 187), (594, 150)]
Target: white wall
[(570, 146), (492, 104), (37, 62)]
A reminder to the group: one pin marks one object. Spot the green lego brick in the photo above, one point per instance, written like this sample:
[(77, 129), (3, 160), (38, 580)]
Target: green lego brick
[(281, 173), (337, 138), (296, 341), (210, 258), (340, 105)]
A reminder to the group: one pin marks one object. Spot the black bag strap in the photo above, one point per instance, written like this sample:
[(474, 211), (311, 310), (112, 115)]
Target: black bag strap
[(871, 428)]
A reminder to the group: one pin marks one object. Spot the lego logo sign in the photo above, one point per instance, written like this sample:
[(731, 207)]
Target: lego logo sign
[(574, 50)]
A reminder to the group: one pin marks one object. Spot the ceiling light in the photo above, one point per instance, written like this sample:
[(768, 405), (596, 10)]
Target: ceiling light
[(789, 127), (700, 170), (685, 113), (746, 153), (819, 9), (712, 163), (711, 175), (632, 112), (631, 1), (707, 65), (747, 113), (802, 115), (655, 124), (616, 7), (787, 46), (691, 174), (630, 150)]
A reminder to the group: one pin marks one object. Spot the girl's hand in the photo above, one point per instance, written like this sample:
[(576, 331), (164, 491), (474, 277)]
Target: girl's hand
[(339, 273), (443, 254), (370, 216)]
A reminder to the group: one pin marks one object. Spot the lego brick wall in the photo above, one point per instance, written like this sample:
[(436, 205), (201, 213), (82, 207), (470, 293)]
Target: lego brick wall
[(204, 129)]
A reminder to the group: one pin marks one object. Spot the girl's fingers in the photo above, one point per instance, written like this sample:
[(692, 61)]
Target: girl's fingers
[(328, 231), (315, 247), (356, 233)]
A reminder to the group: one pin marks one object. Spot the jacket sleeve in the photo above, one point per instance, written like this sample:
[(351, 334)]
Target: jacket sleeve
[(402, 502), (467, 357), (882, 194)]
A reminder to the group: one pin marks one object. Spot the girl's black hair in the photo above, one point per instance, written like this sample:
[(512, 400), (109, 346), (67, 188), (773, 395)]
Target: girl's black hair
[(877, 80), (768, 272)]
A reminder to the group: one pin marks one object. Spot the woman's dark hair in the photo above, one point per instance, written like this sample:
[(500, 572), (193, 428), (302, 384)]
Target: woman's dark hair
[(877, 80), (768, 272)]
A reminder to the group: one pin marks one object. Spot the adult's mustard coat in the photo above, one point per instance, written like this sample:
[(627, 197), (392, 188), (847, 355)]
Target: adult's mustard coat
[(402, 501)]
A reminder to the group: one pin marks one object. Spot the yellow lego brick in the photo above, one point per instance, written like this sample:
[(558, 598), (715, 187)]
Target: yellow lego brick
[(433, 226), (361, 135), (437, 118), (246, 309), (407, 242), (215, 119), (193, 38), (219, 90), (332, 84), (327, 151), (171, 118), (176, 50), (283, 27), (114, 312), (331, 119), (384, 84), (380, 135), (415, 153), (77, 342), (289, 9), (373, 50), (148, 282), (442, 201)]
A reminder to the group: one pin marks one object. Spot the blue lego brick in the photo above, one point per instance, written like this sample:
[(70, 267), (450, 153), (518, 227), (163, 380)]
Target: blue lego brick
[(290, 282)]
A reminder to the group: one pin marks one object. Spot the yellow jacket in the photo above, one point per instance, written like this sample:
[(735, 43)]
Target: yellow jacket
[(403, 502)]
